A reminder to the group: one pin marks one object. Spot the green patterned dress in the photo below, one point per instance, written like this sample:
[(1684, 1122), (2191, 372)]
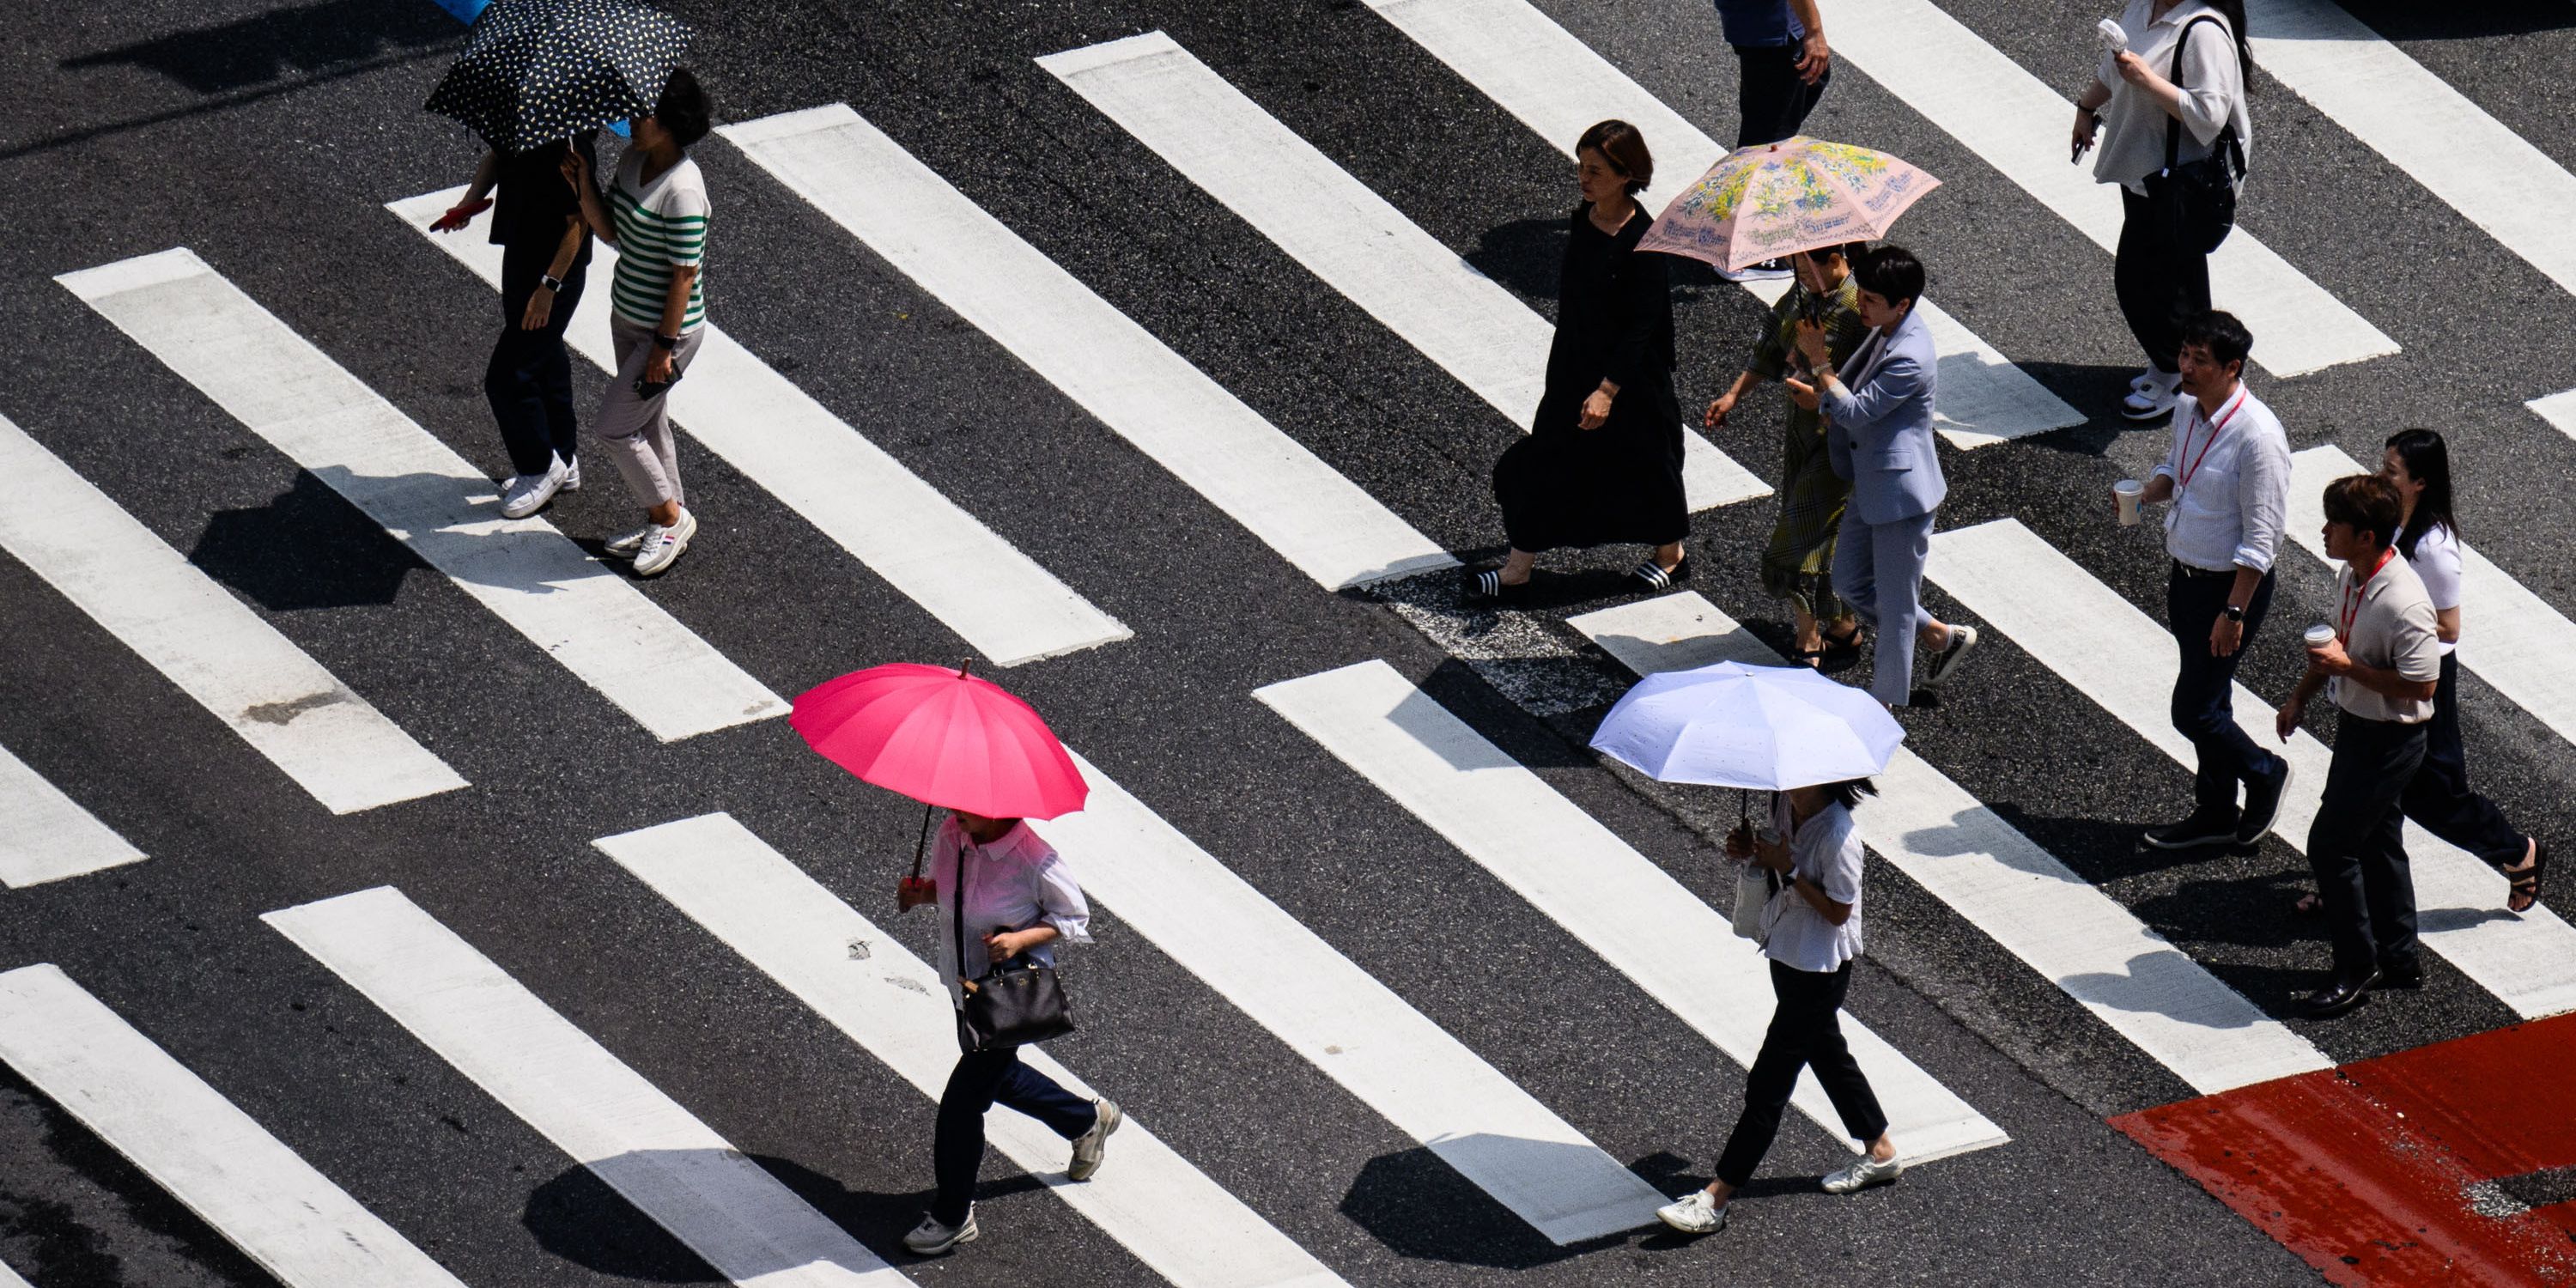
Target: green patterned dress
[(1799, 562)]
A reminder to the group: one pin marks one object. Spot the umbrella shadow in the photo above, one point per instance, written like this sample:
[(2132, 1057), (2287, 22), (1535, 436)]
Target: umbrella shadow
[(465, 537), (1524, 255), (268, 47), (1420, 1207), (307, 548)]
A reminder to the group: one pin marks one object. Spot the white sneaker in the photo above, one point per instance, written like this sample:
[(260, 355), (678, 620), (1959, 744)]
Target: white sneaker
[(1693, 1213), (528, 493), (572, 474), (663, 546), (2153, 398), (1088, 1145), (1962, 638), (625, 547), (930, 1238), (1863, 1174)]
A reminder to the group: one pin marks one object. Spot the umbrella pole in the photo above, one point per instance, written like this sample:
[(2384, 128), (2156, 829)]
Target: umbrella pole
[(922, 845)]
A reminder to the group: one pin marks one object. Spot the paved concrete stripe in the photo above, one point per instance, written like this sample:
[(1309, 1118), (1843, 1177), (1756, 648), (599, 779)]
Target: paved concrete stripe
[(12, 1279), (2558, 409), (1580, 875), (1345, 234), (895, 1006), (753, 1230), (46, 835), (2124, 660), (191, 1141), (1558, 87), (997, 599), (1343, 1021), (2001, 882), (2423, 126), (1115, 369), (283, 388), (332, 742), (2018, 124), (2512, 638)]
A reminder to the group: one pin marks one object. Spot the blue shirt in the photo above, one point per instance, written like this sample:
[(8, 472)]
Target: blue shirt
[(1759, 23)]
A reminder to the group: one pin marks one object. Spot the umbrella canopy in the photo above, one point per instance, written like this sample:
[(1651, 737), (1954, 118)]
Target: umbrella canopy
[(1775, 199), (941, 737), (1760, 727), (535, 72)]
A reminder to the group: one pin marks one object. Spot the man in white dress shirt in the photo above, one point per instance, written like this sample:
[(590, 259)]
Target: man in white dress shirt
[(2228, 479)]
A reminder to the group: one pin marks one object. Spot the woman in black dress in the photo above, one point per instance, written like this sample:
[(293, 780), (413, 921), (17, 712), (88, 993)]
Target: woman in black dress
[(1603, 460)]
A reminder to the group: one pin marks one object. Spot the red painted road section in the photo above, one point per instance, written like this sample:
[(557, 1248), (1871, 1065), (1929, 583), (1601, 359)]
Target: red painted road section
[(2377, 1172)]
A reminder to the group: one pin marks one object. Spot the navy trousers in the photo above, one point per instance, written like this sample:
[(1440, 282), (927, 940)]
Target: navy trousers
[(2204, 708), (981, 1080)]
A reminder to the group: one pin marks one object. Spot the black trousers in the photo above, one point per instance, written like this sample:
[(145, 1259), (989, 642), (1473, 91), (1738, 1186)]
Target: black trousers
[(1771, 100), (981, 1079), (2357, 846), (2204, 708), (2440, 797), (1806, 1032), (529, 380), (2159, 283)]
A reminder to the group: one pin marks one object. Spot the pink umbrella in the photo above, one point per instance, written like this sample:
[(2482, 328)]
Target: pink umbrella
[(943, 738), (1771, 200)]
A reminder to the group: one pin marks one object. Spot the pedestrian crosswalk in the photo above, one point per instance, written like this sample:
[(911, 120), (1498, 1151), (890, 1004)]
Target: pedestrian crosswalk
[(283, 388), (46, 835)]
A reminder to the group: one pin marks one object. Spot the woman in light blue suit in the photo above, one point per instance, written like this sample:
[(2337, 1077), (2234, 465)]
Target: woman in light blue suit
[(1878, 409)]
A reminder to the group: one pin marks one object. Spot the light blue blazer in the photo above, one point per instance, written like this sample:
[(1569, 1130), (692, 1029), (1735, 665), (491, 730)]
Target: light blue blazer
[(1880, 424)]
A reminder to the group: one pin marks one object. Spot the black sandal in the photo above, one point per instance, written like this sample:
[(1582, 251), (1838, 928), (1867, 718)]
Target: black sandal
[(1487, 585), (1844, 645), (2524, 891), (1810, 657), (1657, 578)]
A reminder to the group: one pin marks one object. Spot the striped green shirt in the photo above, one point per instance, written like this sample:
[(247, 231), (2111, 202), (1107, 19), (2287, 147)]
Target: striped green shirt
[(660, 226)]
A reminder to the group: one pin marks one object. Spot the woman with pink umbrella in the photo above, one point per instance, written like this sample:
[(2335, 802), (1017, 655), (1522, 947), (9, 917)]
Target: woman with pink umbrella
[(1004, 899)]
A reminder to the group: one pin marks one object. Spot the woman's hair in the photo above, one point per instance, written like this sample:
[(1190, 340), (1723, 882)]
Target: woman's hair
[(1848, 792), (1624, 148), (1848, 252), (2428, 461), (1890, 272), (2234, 12), (684, 109), (2365, 503)]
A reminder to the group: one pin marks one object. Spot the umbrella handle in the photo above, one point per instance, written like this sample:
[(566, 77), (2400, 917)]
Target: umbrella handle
[(924, 843)]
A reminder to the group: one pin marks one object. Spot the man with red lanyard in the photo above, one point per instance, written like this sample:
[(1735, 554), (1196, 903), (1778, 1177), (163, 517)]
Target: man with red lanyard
[(2228, 477), (2382, 667)]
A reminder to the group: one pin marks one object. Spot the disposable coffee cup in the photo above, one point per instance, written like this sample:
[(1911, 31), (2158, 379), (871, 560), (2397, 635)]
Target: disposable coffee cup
[(2319, 636), (2127, 492), (2112, 36)]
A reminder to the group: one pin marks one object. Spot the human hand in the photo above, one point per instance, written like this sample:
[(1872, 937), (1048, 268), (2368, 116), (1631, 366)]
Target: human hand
[(1801, 393), (2225, 637), (1003, 945), (2286, 722), (1739, 843), (575, 170), (1813, 57), (912, 892), (541, 306), (1811, 344), (657, 368), (459, 215), (2086, 126), (1596, 410), (1772, 854), (2330, 658), (1717, 411), (2134, 70)]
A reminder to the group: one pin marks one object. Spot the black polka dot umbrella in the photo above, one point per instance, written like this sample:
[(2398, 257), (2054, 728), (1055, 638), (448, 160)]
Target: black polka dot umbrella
[(537, 71)]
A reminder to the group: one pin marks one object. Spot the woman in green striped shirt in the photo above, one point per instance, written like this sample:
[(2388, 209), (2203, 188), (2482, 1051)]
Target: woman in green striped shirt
[(656, 216)]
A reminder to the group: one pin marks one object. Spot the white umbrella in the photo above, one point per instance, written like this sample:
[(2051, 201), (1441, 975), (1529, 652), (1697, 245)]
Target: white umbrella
[(1766, 728)]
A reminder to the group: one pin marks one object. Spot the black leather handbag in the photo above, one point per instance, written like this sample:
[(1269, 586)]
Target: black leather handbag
[(1016, 1003), (2198, 199)]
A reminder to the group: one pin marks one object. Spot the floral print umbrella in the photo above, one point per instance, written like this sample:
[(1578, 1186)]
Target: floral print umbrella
[(540, 71), (1774, 199)]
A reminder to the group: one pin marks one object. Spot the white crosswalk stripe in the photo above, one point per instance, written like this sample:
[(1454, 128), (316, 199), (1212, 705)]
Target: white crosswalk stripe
[(895, 1006), (283, 388), (1345, 234), (2559, 409), (332, 742), (1171, 411), (2510, 637), (942, 558), (2124, 660), (12, 1279), (2016, 123), (46, 835), (1599, 888), (673, 1168), (197, 1144), (2003, 883), (1559, 87), (1342, 1020), (2431, 131)]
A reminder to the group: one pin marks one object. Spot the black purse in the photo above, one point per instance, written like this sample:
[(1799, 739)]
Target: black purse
[(1016, 1003), (2199, 198)]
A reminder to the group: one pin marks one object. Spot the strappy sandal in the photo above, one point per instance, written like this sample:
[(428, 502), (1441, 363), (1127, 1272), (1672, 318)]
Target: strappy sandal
[(1487, 586), (2525, 889), (1656, 578), (1841, 645)]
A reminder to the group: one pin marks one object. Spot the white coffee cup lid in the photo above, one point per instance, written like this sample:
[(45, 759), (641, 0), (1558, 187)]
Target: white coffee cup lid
[(2126, 486)]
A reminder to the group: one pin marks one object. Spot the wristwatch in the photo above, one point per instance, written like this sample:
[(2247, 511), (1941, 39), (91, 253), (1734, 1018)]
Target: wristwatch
[(666, 341), (2235, 614), (551, 283)]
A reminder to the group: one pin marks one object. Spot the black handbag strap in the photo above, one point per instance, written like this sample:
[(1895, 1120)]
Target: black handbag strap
[(957, 909), (2173, 124)]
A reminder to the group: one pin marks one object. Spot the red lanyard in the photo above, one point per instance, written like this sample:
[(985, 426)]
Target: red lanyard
[(2225, 415), (2353, 596)]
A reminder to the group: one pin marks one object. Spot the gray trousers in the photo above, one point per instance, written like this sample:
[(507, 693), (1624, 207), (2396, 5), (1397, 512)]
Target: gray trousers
[(636, 431), (1878, 572)]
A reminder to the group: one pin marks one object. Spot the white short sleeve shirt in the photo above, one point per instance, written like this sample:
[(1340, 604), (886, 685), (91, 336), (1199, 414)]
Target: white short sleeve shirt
[(2436, 562), (1827, 852)]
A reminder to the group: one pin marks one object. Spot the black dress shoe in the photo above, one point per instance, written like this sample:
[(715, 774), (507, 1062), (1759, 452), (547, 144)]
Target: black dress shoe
[(2407, 974), (2194, 832), (2339, 996), (2262, 805)]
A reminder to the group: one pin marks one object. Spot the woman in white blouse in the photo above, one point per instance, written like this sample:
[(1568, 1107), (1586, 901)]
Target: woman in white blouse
[(2418, 464), (1811, 933), (2160, 278), (1018, 900)]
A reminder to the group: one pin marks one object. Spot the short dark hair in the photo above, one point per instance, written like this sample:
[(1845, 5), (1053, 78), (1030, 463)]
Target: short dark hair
[(684, 109), (1624, 148), (1891, 272), (2365, 503), (1848, 252), (1848, 792), (2218, 331)]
